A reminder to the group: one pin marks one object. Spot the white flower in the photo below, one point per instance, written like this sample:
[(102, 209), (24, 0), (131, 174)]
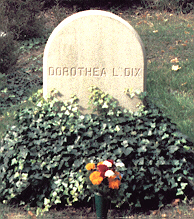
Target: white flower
[(119, 164), (107, 163), (109, 173)]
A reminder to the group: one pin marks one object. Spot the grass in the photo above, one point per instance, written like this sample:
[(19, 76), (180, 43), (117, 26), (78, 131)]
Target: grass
[(166, 37)]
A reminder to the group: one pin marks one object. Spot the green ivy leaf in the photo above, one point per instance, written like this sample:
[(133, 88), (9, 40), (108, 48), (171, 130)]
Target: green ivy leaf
[(179, 192), (128, 151), (173, 148), (183, 185)]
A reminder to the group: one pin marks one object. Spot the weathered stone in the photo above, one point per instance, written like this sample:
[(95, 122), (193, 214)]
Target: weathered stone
[(94, 48)]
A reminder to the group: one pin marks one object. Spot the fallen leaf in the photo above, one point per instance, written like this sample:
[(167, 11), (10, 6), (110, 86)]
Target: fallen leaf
[(184, 44), (175, 67), (32, 215), (175, 60), (10, 216), (187, 32), (183, 84), (188, 25), (164, 215), (145, 14), (155, 31), (178, 41), (171, 48), (175, 201), (140, 22), (179, 211), (155, 212), (150, 24)]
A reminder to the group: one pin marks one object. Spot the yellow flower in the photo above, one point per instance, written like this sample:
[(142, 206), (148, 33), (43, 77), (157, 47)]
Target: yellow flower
[(95, 178), (90, 166)]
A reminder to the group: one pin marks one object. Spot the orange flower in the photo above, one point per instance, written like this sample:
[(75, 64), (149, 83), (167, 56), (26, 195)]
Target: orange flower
[(114, 183), (100, 163), (90, 166), (95, 178), (118, 175)]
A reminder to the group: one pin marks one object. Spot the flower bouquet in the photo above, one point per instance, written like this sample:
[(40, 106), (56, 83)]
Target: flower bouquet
[(104, 176), (103, 180)]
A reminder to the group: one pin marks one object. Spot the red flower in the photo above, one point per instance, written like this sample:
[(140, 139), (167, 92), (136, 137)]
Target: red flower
[(102, 169), (111, 161)]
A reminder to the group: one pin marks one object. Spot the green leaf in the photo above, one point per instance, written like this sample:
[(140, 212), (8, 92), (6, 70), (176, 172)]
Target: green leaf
[(175, 169), (128, 151), (118, 151), (185, 172), (141, 161), (138, 204), (142, 149), (165, 136), (176, 162), (173, 148), (125, 143), (173, 183), (183, 185), (46, 201), (77, 163), (14, 161), (89, 133), (186, 147), (179, 192), (57, 200)]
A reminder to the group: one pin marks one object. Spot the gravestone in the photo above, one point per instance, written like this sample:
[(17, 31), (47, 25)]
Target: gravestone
[(94, 48)]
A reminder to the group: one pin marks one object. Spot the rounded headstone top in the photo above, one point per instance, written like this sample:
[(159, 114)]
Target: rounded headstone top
[(94, 48)]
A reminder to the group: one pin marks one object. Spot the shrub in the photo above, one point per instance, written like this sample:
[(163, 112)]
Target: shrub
[(8, 52), (43, 157), (16, 86), (8, 47), (87, 4), (22, 18), (184, 6)]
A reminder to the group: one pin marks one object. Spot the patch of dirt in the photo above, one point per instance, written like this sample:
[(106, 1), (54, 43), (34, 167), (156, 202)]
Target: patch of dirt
[(174, 210)]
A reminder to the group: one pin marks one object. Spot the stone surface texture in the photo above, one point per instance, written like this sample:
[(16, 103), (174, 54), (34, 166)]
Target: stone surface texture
[(94, 48)]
